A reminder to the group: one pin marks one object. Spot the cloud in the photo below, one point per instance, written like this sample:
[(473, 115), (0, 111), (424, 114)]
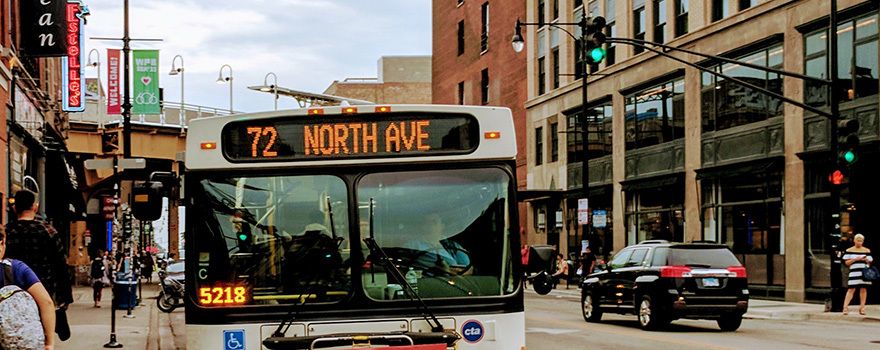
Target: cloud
[(307, 43)]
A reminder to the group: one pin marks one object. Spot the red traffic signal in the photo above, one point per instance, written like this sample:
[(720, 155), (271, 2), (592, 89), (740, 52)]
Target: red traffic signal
[(836, 177)]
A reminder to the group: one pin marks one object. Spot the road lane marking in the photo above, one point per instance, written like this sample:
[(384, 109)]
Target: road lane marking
[(637, 333), (551, 331)]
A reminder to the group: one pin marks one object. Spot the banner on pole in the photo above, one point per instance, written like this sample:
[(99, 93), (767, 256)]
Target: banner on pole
[(146, 82), (114, 99)]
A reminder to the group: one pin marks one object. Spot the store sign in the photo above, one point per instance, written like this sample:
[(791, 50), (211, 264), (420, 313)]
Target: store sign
[(43, 28), (114, 99), (72, 77)]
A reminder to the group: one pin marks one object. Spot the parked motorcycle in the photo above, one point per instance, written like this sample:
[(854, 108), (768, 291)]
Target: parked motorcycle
[(171, 280)]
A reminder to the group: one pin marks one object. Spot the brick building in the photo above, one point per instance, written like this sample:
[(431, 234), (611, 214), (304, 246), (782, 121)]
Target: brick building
[(474, 64), (680, 155), (402, 79)]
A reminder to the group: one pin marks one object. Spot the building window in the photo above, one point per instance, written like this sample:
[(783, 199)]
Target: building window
[(681, 17), (554, 61), (655, 213), (727, 104), (857, 70), (459, 2), (598, 133), (660, 21), (744, 4), (655, 115), (744, 212), (720, 9), (461, 37), (461, 92), (541, 15), (577, 3), (484, 29), (577, 16), (554, 142), (484, 86), (542, 76), (639, 24), (539, 145), (611, 31), (555, 9)]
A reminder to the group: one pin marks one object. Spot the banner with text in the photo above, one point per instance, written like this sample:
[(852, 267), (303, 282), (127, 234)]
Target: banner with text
[(43, 28), (114, 99), (72, 77), (146, 82)]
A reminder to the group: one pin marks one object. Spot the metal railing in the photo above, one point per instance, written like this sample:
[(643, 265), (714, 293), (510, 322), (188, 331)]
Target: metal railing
[(170, 116)]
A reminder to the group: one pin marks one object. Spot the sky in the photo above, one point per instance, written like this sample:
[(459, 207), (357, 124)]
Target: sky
[(307, 43)]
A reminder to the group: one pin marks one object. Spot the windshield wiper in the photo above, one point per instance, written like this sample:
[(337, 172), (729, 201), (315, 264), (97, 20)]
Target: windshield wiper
[(389, 266)]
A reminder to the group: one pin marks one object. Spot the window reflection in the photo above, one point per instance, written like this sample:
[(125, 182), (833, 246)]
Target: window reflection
[(727, 104), (857, 64), (655, 115)]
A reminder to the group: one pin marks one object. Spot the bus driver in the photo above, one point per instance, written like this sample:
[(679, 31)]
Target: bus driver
[(437, 251)]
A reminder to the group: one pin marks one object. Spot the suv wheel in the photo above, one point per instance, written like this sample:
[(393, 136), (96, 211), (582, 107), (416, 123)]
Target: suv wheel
[(590, 308), (730, 322), (649, 316)]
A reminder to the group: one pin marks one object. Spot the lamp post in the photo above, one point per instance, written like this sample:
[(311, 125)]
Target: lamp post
[(221, 79), (175, 70), (518, 44), (274, 87), (97, 65)]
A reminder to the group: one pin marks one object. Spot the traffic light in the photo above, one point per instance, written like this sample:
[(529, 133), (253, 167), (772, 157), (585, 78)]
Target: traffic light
[(848, 140), (242, 229), (146, 201), (594, 39), (847, 146)]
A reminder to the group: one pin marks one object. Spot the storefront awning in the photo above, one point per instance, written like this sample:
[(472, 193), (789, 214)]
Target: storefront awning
[(652, 182), (738, 169), (537, 195)]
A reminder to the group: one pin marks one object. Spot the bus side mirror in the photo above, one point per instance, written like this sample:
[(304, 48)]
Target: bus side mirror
[(146, 201)]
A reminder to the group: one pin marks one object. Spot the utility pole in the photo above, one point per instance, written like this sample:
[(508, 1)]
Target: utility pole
[(834, 229)]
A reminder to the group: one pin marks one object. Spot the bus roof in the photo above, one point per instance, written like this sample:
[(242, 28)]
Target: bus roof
[(205, 148)]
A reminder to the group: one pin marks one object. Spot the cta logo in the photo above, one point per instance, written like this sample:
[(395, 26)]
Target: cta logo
[(472, 331)]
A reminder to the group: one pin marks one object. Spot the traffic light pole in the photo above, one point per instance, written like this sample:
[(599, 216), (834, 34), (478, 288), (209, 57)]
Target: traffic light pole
[(834, 229), (586, 229)]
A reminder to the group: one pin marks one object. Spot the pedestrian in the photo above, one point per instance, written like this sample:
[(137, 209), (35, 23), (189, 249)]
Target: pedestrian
[(100, 270), (147, 266), (38, 245), (588, 262), (17, 273), (561, 269), (858, 258)]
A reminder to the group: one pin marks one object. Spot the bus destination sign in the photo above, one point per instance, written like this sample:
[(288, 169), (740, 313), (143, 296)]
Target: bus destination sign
[(348, 136)]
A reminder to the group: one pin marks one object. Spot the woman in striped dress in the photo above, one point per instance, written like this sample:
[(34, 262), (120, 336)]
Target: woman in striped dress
[(858, 258)]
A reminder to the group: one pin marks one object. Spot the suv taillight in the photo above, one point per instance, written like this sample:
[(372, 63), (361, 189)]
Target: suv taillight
[(675, 271), (739, 271)]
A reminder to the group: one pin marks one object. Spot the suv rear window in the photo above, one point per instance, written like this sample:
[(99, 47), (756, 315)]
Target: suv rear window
[(711, 257)]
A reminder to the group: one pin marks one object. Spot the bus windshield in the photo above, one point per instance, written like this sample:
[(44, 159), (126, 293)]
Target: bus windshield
[(272, 240), (447, 230)]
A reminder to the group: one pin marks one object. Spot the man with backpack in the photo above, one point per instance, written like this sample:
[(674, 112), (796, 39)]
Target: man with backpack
[(100, 278), (38, 245), (27, 313)]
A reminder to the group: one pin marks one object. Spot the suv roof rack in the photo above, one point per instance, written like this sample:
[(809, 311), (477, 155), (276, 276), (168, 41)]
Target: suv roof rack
[(654, 241), (704, 241)]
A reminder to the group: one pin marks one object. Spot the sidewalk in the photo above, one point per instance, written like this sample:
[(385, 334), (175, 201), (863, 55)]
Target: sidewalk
[(768, 309), (150, 329)]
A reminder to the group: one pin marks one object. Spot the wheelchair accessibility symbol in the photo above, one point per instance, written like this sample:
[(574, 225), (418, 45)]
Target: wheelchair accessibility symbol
[(233, 340)]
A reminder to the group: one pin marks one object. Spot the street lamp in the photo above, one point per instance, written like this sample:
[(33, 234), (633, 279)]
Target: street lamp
[(175, 71), (97, 65), (221, 79), (274, 87), (591, 40)]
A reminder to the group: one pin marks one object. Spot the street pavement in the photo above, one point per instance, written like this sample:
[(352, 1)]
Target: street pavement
[(554, 321), (149, 329)]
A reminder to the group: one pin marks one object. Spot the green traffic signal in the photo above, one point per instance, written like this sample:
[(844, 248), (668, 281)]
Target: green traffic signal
[(597, 54), (849, 156), (242, 237)]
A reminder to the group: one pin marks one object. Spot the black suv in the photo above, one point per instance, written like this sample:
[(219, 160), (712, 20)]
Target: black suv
[(661, 282)]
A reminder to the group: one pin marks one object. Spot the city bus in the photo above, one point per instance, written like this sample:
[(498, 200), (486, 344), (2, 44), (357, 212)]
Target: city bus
[(337, 227)]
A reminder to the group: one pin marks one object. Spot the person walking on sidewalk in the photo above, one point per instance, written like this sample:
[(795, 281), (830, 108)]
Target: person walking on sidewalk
[(858, 258), (100, 270), (38, 245), (147, 265), (23, 277)]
